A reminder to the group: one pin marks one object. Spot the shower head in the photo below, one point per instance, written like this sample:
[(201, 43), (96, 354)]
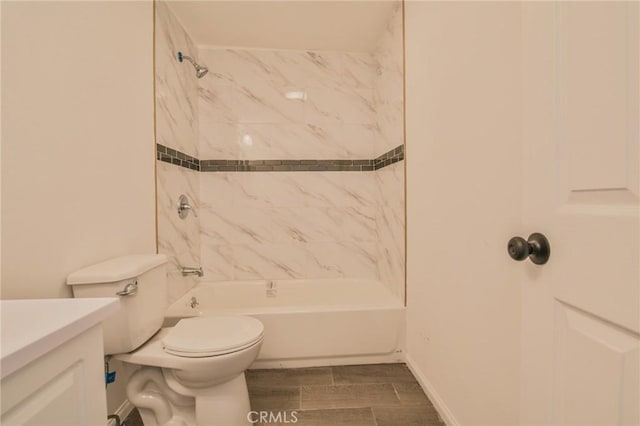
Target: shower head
[(200, 70)]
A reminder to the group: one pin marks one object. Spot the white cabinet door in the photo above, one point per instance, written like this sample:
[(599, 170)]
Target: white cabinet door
[(64, 387), (581, 315)]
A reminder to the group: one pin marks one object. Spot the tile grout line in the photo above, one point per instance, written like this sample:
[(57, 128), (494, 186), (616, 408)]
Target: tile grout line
[(300, 397), (395, 390), (373, 414)]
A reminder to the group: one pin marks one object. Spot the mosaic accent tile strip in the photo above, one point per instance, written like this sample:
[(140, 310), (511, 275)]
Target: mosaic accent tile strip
[(286, 165), (171, 156), (389, 157), (180, 159)]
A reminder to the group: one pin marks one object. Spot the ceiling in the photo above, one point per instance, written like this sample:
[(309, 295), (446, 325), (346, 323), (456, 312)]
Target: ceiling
[(353, 26)]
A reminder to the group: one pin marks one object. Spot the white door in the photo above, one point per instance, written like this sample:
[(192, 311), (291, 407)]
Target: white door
[(581, 315)]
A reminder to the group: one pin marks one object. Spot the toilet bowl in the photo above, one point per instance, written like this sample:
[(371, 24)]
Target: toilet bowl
[(190, 374), (202, 360)]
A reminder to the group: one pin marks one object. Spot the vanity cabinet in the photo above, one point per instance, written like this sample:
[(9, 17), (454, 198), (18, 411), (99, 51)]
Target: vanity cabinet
[(58, 377)]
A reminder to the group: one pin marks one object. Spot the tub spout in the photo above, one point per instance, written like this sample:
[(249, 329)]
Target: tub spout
[(186, 271)]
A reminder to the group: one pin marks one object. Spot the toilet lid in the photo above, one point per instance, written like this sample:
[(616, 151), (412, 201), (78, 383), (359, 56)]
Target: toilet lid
[(212, 335)]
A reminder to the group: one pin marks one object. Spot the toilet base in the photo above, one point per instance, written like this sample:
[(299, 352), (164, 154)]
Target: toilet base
[(162, 401), (224, 405)]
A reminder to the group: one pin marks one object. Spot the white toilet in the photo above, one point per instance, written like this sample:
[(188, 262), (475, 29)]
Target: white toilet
[(190, 374)]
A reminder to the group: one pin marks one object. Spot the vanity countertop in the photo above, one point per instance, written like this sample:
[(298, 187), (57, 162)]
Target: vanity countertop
[(32, 327)]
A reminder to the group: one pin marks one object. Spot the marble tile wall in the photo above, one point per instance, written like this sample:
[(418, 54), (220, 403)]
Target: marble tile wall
[(389, 106), (176, 85), (244, 114), (178, 238), (280, 225), (390, 227), (176, 128), (388, 91), (288, 225)]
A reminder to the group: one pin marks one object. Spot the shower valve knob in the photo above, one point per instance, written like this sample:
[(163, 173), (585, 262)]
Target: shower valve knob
[(536, 248)]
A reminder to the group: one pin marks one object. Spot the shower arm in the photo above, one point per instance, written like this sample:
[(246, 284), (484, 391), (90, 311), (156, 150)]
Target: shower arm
[(188, 58), (200, 70)]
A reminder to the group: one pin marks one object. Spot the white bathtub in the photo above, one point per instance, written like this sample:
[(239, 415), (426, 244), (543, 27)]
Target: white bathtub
[(308, 322)]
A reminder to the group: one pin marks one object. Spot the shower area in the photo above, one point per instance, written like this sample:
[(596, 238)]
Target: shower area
[(290, 161)]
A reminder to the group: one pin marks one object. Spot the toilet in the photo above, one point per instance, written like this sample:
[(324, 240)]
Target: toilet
[(188, 374)]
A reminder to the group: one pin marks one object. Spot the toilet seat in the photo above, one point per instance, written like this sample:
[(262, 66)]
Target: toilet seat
[(209, 336)]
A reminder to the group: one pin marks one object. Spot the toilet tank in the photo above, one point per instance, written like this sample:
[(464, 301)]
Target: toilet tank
[(140, 281)]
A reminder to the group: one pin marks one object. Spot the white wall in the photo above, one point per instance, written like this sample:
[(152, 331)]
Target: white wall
[(77, 140), (78, 148), (463, 195), (0, 152)]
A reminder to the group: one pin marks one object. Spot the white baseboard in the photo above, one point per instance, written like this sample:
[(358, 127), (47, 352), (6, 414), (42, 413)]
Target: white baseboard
[(123, 412), (439, 404)]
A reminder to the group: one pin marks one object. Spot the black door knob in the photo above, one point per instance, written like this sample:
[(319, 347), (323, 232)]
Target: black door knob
[(537, 248)]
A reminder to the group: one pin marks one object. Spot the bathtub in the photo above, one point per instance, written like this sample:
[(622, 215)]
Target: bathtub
[(307, 322)]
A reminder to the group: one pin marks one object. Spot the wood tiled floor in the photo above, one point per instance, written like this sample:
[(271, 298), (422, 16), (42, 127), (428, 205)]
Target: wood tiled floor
[(358, 395), (355, 395)]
